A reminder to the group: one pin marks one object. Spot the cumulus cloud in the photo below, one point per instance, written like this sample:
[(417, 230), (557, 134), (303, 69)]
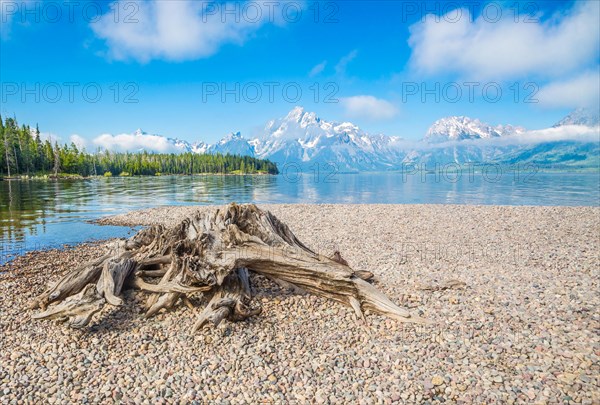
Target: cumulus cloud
[(368, 107), (180, 30), (480, 49), (318, 69), (579, 91), (134, 142)]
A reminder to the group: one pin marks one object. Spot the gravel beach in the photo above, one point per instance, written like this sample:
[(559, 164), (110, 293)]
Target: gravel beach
[(525, 329)]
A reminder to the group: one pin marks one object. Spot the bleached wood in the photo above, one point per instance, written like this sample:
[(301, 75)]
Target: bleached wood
[(213, 254)]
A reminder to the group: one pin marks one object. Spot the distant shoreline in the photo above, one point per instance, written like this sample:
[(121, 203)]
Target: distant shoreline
[(79, 177), (583, 170)]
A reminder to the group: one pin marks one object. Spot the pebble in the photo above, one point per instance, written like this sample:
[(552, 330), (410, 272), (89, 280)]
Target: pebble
[(520, 332), (437, 380)]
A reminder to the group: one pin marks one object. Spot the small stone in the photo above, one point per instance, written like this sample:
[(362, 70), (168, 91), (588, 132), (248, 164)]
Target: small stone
[(437, 380), (567, 378)]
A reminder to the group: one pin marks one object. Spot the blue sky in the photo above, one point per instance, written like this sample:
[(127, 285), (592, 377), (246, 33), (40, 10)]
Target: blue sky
[(192, 69)]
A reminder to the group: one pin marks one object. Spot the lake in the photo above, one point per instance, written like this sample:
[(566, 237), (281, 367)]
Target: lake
[(41, 214)]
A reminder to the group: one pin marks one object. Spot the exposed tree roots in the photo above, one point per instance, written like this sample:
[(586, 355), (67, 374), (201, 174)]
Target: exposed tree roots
[(211, 254)]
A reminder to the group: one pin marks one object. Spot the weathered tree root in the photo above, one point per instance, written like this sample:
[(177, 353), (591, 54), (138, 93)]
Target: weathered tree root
[(211, 254)]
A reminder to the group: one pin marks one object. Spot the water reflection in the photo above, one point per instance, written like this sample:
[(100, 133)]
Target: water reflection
[(42, 214)]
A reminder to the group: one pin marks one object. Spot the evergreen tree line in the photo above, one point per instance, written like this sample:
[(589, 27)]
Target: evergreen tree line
[(22, 152)]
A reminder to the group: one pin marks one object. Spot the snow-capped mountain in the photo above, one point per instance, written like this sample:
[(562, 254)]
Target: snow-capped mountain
[(199, 147), (303, 140), (177, 144), (461, 128), (234, 144), (581, 116), (464, 140)]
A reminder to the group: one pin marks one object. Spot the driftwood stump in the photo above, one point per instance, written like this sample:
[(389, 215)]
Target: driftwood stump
[(211, 254)]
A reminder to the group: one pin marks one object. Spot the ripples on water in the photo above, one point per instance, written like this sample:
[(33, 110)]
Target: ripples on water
[(43, 214)]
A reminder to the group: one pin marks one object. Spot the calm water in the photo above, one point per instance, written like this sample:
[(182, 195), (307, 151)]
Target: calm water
[(45, 214)]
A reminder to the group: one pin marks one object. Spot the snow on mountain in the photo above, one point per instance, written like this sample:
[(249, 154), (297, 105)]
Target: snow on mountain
[(461, 128), (234, 144), (199, 147), (581, 116), (302, 140), (464, 140), (183, 146)]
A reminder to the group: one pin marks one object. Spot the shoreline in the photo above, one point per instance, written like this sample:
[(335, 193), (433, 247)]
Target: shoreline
[(100, 176), (523, 330), (170, 215), (467, 170)]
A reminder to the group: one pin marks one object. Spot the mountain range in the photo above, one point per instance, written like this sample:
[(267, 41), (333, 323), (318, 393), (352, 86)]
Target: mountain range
[(303, 140)]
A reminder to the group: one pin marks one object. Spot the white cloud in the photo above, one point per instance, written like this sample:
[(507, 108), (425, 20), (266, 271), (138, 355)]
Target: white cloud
[(579, 133), (562, 133), (480, 49), (368, 107), (79, 141), (179, 30), (340, 67), (318, 69), (50, 136), (134, 142), (580, 91)]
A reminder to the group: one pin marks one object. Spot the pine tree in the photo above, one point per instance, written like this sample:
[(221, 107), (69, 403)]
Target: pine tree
[(24, 146), (39, 151), (23, 137), (4, 140), (7, 147)]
